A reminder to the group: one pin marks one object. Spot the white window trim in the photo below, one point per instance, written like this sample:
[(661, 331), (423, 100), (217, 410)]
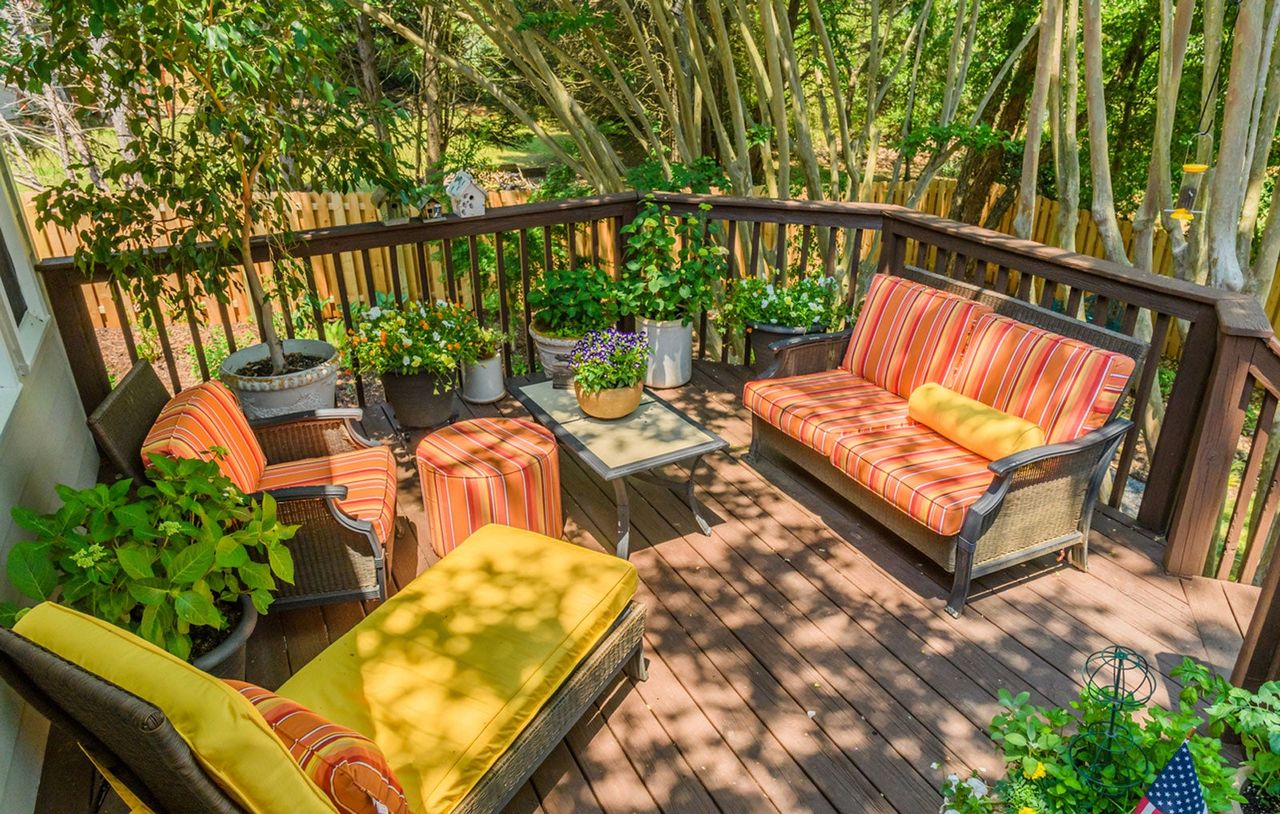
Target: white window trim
[(19, 343)]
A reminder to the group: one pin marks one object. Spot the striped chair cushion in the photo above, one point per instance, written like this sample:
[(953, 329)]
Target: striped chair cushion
[(201, 418), (819, 408), (368, 474), (489, 470), (908, 334), (1066, 386), (931, 479), (348, 767)]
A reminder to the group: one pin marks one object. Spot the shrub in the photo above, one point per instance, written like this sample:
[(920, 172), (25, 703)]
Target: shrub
[(671, 270), (413, 337), (804, 302), (569, 303)]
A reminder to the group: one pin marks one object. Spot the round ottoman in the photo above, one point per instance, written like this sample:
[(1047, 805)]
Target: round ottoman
[(489, 470)]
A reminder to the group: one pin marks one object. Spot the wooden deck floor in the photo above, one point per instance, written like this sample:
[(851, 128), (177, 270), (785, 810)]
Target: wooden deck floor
[(800, 659)]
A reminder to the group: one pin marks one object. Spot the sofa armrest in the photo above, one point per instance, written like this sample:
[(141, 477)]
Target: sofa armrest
[(317, 492), (812, 353), (313, 434)]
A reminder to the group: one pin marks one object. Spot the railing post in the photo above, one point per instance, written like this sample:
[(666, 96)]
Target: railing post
[(1259, 660), (1208, 458), (71, 313), (893, 246)]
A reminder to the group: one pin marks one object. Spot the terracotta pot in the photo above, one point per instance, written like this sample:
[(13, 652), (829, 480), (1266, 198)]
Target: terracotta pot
[(268, 396), (617, 402), (227, 660), (554, 352), (417, 401), (760, 336)]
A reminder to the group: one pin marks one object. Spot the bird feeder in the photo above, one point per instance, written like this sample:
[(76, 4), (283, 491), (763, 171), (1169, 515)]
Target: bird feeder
[(1184, 211)]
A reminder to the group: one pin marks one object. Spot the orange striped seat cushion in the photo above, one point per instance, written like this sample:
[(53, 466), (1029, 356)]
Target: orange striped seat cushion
[(908, 334), (931, 479), (368, 474), (489, 470), (817, 409), (1066, 386), (348, 767), (201, 418)]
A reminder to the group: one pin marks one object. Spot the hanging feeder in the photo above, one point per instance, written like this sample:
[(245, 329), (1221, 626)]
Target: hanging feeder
[(1184, 211)]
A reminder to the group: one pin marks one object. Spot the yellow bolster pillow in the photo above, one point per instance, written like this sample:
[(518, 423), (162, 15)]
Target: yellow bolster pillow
[(984, 430)]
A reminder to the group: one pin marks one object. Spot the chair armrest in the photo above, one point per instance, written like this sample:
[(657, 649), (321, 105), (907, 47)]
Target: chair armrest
[(317, 492), (1068, 452), (812, 353), (313, 434)]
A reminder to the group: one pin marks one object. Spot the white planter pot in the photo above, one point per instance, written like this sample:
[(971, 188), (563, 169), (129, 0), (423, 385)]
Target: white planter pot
[(670, 351), (482, 382), (269, 396), (554, 352)]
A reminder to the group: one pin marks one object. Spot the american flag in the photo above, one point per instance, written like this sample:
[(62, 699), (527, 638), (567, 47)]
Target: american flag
[(1177, 789)]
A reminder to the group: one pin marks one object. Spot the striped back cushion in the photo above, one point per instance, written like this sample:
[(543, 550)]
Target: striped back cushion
[(348, 767), (908, 334), (201, 418), (1066, 386)]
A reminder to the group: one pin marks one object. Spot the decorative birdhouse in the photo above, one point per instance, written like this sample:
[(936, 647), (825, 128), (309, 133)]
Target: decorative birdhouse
[(429, 209), (467, 197)]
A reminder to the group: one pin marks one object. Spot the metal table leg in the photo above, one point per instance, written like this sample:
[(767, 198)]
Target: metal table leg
[(684, 488), (624, 517)]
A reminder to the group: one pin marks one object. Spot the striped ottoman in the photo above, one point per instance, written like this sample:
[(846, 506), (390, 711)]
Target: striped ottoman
[(489, 470)]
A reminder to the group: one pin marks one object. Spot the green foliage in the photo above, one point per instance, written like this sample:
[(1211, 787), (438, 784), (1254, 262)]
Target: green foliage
[(561, 23), (804, 302), (671, 271), (699, 177), (609, 359), (569, 303), (413, 337), (972, 137), (170, 559), (1254, 717), (561, 182)]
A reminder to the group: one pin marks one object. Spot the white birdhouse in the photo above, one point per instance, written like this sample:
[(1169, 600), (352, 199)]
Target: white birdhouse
[(467, 197)]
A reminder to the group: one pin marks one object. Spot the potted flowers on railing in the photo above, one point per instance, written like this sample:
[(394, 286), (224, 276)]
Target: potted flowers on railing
[(567, 304), (187, 563), (482, 381), (416, 349), (608, 372), (771, 312), (669, 277)]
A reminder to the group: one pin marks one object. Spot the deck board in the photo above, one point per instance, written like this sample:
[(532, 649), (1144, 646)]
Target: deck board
[(796, 604)]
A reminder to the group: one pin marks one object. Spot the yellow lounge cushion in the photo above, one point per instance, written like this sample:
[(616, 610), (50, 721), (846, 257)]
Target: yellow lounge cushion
[(983, 430), (227, 734), (446, 674)]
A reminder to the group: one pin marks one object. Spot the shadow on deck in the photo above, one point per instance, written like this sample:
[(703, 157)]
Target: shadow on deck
[(800, 657)]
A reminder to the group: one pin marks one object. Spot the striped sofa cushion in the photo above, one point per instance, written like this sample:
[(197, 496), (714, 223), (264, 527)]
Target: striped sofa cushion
[(201, 418), (368, 474), (932, 480), (345, 765), (818, 408), (1066, 386), (908, 334)]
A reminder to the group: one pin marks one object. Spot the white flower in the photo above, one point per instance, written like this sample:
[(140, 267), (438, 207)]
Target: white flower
[(406, 341), (979, 788), (375, 312), (406, 361)]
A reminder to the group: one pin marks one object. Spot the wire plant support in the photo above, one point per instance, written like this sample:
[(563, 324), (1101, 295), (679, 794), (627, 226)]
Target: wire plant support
[(1121, 680)]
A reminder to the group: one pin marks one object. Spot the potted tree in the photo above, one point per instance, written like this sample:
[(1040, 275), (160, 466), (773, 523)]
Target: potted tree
[(670, 275), (567, 304), (482, 381), (608, 372), (260, 112), (187, 563), (416, 349), (770, 312)]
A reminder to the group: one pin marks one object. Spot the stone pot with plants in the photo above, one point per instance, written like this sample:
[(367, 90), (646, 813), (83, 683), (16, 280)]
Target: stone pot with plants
[(482, 373), (416, 349), (673, 264), (567, 304), (187, 562), (770, 312), (219, 169), (608, 372)]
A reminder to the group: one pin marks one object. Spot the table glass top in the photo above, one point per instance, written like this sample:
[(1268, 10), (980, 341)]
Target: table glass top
[(654, 430)]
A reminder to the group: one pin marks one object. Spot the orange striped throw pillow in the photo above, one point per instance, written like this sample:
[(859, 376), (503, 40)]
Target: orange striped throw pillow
[(348, 767)]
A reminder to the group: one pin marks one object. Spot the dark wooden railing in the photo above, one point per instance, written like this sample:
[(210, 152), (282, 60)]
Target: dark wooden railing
[(1216, 347)]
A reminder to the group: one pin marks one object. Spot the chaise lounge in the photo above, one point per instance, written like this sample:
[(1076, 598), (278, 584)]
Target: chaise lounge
[(975, 426)]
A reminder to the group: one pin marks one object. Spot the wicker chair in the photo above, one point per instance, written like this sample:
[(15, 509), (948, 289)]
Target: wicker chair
[(122, 420), (1040, 501)]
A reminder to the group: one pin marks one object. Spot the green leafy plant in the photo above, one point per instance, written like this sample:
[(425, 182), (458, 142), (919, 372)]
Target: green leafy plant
[(609, 359), (413, 337), (483, 343), (1253, 716), (804, 302), (569, 303), (164, 563), (671, 271)]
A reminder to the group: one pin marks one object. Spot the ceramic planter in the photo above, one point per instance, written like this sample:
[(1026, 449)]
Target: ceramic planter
[(670, 351), (420, 400), (482, 382), (269, 396), (617, 402), (760, 336), (554, 352), (227, 659)]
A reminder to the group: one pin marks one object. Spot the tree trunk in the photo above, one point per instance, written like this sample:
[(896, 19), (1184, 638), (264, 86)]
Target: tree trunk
[(1047, 67)]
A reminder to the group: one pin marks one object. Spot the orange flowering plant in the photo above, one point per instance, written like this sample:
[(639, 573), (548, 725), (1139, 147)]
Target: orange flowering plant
[(412, 337)]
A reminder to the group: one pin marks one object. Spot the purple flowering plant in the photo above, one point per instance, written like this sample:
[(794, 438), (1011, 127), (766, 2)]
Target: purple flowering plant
[(609, 359)]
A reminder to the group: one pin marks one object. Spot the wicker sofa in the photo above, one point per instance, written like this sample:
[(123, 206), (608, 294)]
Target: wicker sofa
[(836, 405)]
